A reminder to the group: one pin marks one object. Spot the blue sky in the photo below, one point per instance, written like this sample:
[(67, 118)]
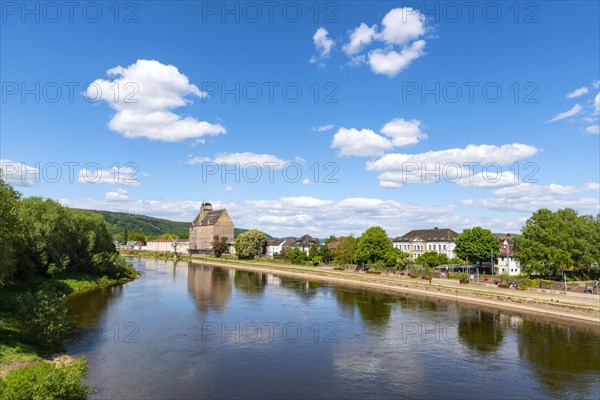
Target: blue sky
[(388, 101)]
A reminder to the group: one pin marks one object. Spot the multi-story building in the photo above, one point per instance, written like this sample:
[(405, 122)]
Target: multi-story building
[(206, 225), (420, 241)]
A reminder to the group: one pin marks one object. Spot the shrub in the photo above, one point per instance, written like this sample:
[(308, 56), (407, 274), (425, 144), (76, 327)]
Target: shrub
[(45, 319), (47, 381)]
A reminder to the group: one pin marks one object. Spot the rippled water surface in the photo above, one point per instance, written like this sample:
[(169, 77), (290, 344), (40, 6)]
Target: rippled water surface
[(183, 331)]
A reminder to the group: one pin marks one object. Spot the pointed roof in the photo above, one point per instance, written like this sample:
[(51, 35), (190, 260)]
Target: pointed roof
[(209, 218)]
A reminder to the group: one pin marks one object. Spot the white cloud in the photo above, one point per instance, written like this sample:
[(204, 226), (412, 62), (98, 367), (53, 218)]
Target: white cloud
[(363, 143), (323, 44), (228, 188), (533, 189), (143, 95), (593, 129), (597, 103), (391, 62), (19, 174), (306, 181), (528, 197), (114, 176), (592, 186), (401, 25), (401, 36), (483, 154), (578, 92), (117, 195), (474, 165), (486, 179), (323, 128), (403, 132), (366, 143), (573, 111), (243, 159), (360, 37)]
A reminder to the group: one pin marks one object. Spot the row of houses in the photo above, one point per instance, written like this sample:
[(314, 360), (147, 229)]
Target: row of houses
[(210, 222), (416, 243)]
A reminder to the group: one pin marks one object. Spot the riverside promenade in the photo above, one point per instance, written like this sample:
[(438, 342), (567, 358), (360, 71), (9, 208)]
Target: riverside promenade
[(566, 307)]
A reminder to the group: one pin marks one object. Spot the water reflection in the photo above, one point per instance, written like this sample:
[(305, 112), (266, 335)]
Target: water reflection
[(373, 354), (373, 307), (251, 283), (306, 290), (210, 287), (480, 330), (86, 309), (563, 359)]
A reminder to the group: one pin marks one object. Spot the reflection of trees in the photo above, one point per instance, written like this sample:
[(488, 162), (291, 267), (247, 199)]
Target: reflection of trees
[(210, 287), (479, 330), (305, 289), (86, 309), (373, 307), (564, 359), (252, 283)]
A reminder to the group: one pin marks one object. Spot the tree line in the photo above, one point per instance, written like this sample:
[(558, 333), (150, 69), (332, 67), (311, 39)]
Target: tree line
[(41, 237), (550, 242)]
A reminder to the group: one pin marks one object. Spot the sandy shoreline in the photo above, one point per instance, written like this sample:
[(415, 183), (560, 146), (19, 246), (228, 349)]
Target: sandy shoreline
[(554, 307)]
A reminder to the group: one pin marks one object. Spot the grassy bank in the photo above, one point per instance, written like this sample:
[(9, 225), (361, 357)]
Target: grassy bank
[(33, 325), (15, 345)]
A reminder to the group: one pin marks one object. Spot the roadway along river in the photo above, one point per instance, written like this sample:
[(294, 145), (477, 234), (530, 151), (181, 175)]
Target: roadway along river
[(204, 332)]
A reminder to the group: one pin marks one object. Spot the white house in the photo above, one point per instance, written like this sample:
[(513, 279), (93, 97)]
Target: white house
[(274, 247), (167, 245), (419, 241), (506, 263)]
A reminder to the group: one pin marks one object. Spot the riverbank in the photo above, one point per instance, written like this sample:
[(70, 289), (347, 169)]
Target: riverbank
[(16, 350), (572, 307)]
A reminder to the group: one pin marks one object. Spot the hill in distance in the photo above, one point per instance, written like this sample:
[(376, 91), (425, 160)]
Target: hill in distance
[(118, 222)]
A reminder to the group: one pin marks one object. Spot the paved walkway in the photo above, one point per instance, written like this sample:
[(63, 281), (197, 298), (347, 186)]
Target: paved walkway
[(579, 299)]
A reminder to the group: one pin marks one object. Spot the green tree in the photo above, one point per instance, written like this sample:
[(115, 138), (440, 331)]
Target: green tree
[(45, 319), (330, 239), (10, 231), (326, 253), (552, 241), (431, 259), (313, 251), (477, 244), (295, 255), (219, 245), (250, 244), (396, 258), (344, 253), (372, 245), (137, 236)]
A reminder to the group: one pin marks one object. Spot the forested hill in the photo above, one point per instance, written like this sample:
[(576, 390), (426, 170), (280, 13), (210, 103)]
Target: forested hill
[(118, 222)]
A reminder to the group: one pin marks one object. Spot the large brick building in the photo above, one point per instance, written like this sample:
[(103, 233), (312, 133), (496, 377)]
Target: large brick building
[(207, 224)]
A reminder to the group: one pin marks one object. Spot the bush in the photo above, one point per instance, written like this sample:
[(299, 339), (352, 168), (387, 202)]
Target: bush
[(47, 381), (45, 319)]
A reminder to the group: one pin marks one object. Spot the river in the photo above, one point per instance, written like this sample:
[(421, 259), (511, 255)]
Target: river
[(193, 331)]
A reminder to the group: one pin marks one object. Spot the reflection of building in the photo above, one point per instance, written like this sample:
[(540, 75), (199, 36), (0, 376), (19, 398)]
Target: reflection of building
[(506, 263), (417, 242), (167, 245), (207, 224), (274, 247), (210, 287)]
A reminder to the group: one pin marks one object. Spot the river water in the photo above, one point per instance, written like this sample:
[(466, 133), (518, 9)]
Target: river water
[(193, 331)]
